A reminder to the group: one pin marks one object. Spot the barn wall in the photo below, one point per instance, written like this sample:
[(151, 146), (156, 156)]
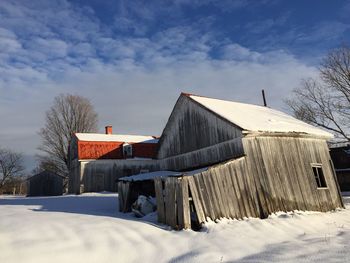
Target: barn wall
[(275, 175), (73, 149), (281, 168), (101, 175), (343, 177), (74, 177), (204, 157), (191, 127)]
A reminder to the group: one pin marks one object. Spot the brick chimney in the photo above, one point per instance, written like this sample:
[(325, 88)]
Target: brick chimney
[(108, 129)]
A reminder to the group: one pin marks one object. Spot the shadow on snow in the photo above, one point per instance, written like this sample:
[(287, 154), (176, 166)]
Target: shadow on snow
[(95, 205)]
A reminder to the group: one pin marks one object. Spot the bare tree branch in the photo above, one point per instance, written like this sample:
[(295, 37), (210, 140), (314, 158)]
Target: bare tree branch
[(10, 165), (326, 102), (69, 114)]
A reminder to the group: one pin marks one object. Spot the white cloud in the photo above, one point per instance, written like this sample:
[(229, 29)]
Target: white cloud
[(237, 52), (330, 30), (132, 81), (8, 42), (49, 47)]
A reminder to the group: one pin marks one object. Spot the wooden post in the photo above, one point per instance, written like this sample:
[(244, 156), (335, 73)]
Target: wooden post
[(180, 204), (120, 196), (196, 199), (170, 202), (158, 187), (183, 207)]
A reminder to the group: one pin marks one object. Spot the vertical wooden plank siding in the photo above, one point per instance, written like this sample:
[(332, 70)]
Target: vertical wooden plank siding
[(196, 197), (282, 167), (120, 196), (182, 203), (255, 170), (170, 200), (215, 195), (208, 207), (100, 175), (274, 175), (214, 214), (186, 204), (220, 174), (187, 120), (229, 193), (158, 187)]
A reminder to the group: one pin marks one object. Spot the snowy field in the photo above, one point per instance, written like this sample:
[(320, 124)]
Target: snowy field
[(88, 228)]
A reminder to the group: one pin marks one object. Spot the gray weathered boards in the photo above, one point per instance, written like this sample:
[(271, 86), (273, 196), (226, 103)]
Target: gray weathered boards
[(251, 172), (270, 163), (258, 184)]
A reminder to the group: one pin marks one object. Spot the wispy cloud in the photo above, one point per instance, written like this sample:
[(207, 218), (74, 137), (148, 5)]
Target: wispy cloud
[(47, 48)]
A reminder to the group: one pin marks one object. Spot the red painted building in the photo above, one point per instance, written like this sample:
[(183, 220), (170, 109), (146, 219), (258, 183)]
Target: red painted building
[(112, 146), (98, 160)]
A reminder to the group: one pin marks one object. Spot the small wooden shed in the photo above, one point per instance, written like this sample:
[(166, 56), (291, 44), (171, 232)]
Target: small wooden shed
[(130, 187), (45, 183)]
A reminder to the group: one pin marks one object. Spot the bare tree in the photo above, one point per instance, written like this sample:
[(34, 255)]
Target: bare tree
[(325, 102), (10, 165), (68, 114)]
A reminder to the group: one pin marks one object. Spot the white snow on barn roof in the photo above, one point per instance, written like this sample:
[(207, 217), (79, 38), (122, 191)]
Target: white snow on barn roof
[(258, 118), (98, 137)]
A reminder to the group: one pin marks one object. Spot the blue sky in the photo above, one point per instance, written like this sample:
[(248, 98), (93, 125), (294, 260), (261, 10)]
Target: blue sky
[(133, 58)]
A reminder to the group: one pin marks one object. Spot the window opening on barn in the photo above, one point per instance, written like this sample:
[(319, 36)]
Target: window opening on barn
[(127, 150), (319, 176)]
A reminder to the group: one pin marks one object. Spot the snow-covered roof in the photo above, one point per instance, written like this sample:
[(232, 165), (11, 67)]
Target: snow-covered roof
[(152, 175), (98, 137), (255, 118)]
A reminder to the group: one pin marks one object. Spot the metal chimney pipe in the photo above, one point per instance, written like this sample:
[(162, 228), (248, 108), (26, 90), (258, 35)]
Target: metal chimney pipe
[(263, 95)]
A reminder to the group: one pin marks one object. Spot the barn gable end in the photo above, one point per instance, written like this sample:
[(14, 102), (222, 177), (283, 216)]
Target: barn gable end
[(192, 132)]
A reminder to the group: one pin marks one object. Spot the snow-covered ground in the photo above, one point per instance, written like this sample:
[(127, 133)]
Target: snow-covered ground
[(88, 228)]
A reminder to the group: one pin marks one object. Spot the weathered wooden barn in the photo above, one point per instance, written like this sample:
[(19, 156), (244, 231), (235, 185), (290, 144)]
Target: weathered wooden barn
[(45, 183), (255, 161), (340, 154), (96, 161)]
